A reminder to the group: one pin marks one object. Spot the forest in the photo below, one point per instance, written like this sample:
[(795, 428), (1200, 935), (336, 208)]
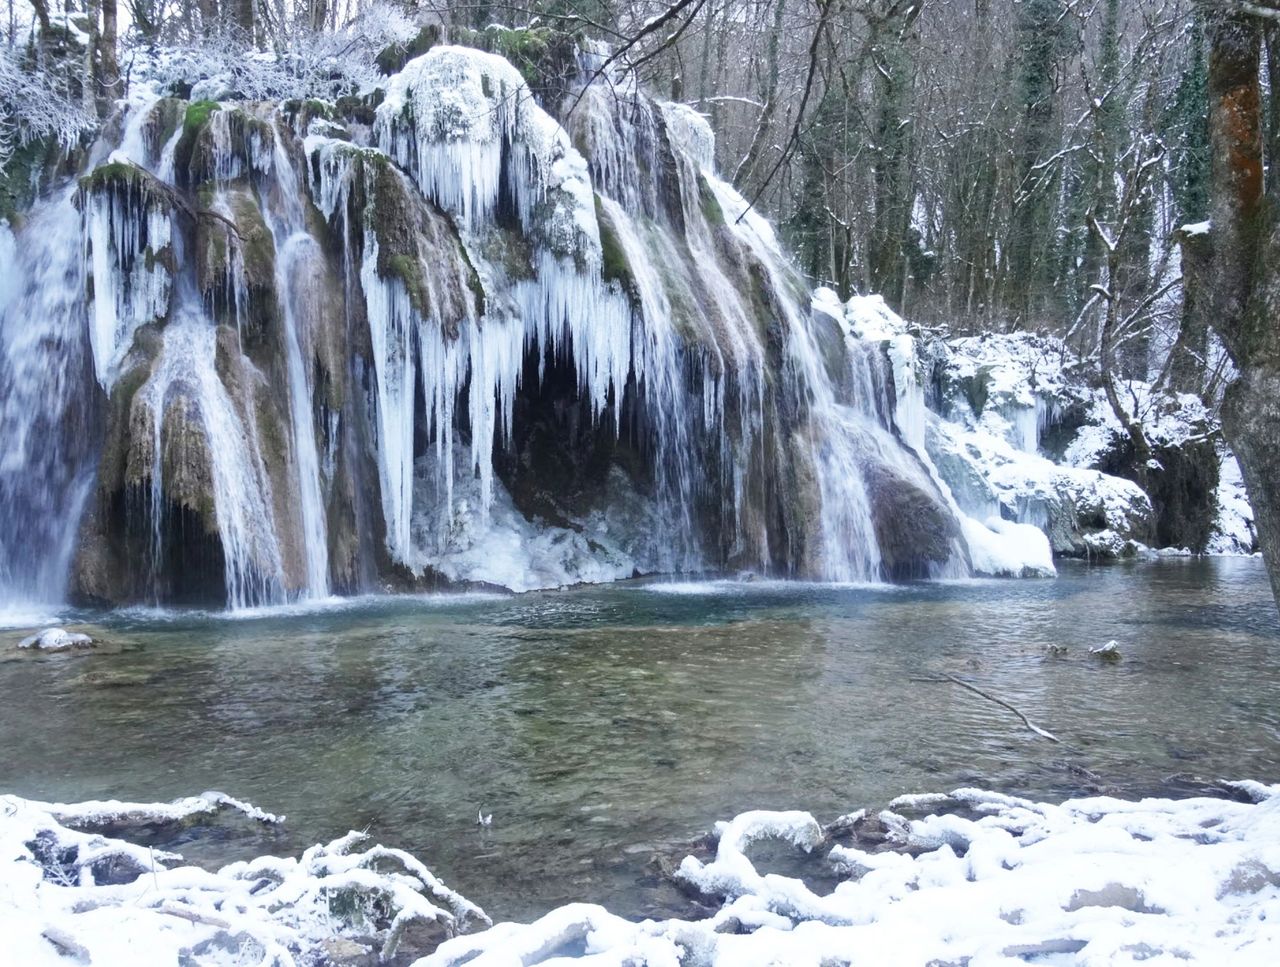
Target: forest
[(500, 438)]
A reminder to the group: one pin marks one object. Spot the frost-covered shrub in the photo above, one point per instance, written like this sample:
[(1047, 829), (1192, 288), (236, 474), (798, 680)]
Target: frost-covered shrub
[(307, 63), (35, 106)]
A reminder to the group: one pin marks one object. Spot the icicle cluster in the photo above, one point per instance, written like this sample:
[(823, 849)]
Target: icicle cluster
[(127, 230)]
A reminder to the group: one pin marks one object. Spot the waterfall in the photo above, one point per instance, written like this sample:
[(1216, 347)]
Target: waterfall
[(46, 407), (191, 409), (358, 371), (298, 258)]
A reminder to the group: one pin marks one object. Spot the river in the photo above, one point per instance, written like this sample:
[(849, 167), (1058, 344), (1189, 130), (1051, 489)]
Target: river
[(601, 725)]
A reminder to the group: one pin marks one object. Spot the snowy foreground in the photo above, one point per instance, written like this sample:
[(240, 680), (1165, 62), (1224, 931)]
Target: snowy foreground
[(967, 877)]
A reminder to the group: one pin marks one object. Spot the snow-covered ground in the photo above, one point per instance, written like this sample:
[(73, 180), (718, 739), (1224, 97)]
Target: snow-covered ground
[(966, 877), (69, 894)]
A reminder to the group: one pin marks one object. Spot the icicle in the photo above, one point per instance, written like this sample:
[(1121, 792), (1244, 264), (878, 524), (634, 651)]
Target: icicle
[(126, 231)]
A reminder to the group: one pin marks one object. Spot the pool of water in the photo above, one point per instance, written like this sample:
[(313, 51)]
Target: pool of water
[(600, 726)]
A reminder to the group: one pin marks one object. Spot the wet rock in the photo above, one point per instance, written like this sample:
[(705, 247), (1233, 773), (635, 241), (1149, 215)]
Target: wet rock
[(915, 531)]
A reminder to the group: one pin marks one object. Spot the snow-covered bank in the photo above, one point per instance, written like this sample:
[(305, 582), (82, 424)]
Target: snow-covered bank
[(966, 877), (69, 893)]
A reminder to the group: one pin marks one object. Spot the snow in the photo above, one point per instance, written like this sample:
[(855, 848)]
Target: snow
[(967, 876), (1197, 228), (1002, 548), (1167, 420), (1091, 881), (65, 889), (1233, 527), (991, 477)]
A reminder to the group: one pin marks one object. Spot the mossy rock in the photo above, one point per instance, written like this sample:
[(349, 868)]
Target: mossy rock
[(194, 155), (357, 109), (546, 58), (977, 389), (711, 209), (164, 119), (412, 233), (24, 175), (391, 60), (614, 266), (121, 177), (214, 246)]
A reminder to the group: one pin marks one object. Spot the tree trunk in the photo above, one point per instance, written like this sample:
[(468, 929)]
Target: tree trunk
[(109, 86), (1244, 281), (1188, 360)]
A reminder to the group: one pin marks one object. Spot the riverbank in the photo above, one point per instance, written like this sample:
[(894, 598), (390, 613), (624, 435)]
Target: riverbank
[(959, 877)]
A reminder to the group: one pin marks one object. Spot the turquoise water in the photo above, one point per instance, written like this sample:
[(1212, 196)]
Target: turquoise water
[(603, 725)]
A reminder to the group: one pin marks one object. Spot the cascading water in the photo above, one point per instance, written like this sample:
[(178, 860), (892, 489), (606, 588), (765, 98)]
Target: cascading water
[(585, 365), (46, 469), (298, 257)]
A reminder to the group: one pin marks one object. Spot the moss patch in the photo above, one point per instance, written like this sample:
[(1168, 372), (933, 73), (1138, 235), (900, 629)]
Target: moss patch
[(545, 57), (392, 59), (711, 209), (112, 175), (197, 116), (614, 266)]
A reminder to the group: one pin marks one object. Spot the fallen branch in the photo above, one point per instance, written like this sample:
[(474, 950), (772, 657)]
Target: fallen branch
[(171, 910), (999, 701)]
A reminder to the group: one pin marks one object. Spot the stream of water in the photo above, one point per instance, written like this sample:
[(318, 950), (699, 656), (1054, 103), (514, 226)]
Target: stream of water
[(603, 725)]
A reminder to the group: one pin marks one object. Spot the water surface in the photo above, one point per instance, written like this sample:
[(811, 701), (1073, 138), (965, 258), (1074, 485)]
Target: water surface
[(601, 725)]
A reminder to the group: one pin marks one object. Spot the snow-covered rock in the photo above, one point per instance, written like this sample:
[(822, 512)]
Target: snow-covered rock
[(1233, 528), (70, 892), (970, 876), (1084, 513), (56, 639), (1099, 881)]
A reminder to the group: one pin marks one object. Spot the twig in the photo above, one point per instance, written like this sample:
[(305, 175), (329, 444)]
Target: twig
[(999, 701), (195, 917)]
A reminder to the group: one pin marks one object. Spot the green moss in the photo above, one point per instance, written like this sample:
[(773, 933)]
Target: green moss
[(358, 109), (392, 59), (271, 436), (194, 120), (258, 245), (614, 267), (406, 269), (197, 116), (111, 176), (711, 209), (26, 173), (545, 57), (473, 279)]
